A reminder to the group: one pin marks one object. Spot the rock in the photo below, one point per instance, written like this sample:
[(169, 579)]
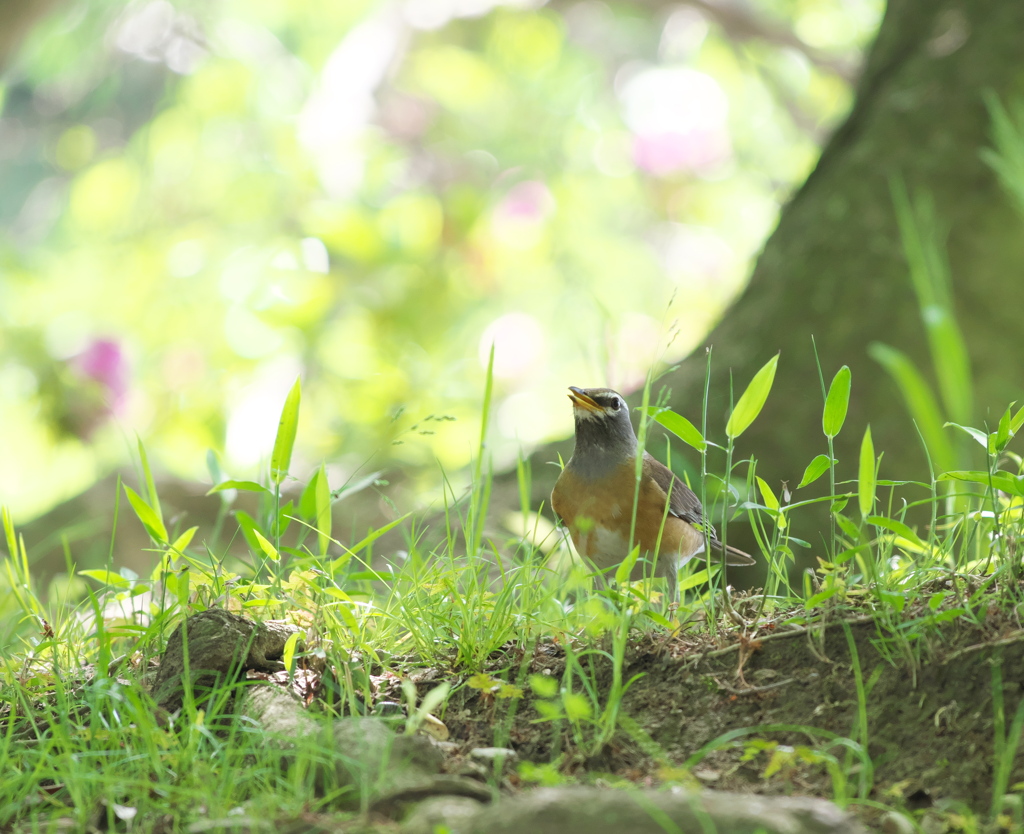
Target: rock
[(361, 760), (221, 647), (379, 763), (279, 714), (581, 810), (896, 823), (442, 813), (398, 803), (368, 763)]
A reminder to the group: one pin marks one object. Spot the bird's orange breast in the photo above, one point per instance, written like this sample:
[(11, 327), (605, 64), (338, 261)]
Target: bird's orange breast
[(599, 515)]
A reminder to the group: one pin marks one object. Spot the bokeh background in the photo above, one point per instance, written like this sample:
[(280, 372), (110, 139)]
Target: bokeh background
[(202, 201)]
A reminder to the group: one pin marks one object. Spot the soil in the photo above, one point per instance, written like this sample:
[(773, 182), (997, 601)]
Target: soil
[(928, 703), (906, 715)]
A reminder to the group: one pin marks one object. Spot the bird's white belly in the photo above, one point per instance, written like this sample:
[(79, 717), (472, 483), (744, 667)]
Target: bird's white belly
[(607, 548)]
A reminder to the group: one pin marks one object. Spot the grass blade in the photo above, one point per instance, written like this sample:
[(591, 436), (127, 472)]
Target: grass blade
[(323, 509), (151, 495), (485, 417), (1007, 158), (929, 275), (919, 399)]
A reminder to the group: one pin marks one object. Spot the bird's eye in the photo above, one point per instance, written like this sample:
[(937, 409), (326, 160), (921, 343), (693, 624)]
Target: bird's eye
[(615, 403)]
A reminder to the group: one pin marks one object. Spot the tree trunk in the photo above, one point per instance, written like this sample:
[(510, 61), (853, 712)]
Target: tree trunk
[(834, 267)]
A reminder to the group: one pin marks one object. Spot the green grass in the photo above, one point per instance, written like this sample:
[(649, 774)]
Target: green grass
[(80, 742)]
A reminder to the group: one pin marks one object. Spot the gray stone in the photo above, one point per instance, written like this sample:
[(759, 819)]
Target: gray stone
[(453, 814), (219, 648), (580, 810), (372, 758), (360, 758), (896, 823)]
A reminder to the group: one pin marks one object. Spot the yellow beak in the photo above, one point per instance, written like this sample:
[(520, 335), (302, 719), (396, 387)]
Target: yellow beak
[(581, 400)]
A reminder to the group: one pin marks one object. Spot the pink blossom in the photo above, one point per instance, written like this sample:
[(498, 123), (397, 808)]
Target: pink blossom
[(529, 200), (695, 150), (104, 362)]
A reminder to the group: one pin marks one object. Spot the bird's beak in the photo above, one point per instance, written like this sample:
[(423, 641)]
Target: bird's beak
[(581, 400)]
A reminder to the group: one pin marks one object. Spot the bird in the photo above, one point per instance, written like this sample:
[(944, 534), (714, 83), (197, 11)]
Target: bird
[(594, 494)]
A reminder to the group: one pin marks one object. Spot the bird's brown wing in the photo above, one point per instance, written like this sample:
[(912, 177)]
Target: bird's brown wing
[(683, 503)]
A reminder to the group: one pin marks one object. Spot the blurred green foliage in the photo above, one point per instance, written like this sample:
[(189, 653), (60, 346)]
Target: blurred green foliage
[(202, 201)]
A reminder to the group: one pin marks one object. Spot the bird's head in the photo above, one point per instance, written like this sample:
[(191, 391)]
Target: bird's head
[(602, 421)]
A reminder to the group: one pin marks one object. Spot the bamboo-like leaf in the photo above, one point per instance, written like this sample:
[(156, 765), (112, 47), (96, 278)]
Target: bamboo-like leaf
[(247, 524), (1003, 432), (658, 619), (770, 501), (699, 578), (897, 527), (431, 701), (184, 540), (1003, 481), (679, 426), (866, 475), (435, 697), (820, 597), (894, 599), (267, 547), (106, 577), (261, 603), (837, 402), (815, 469), (148, 516), (245, 486), (847, 526), (288, 654), (980, 437), (284, 442), (752, 400), (625, 568), (1017, 421), (184, 578), (349, 619)]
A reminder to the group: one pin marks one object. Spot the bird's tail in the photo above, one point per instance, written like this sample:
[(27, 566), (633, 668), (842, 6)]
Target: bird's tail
[(735, 556)]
